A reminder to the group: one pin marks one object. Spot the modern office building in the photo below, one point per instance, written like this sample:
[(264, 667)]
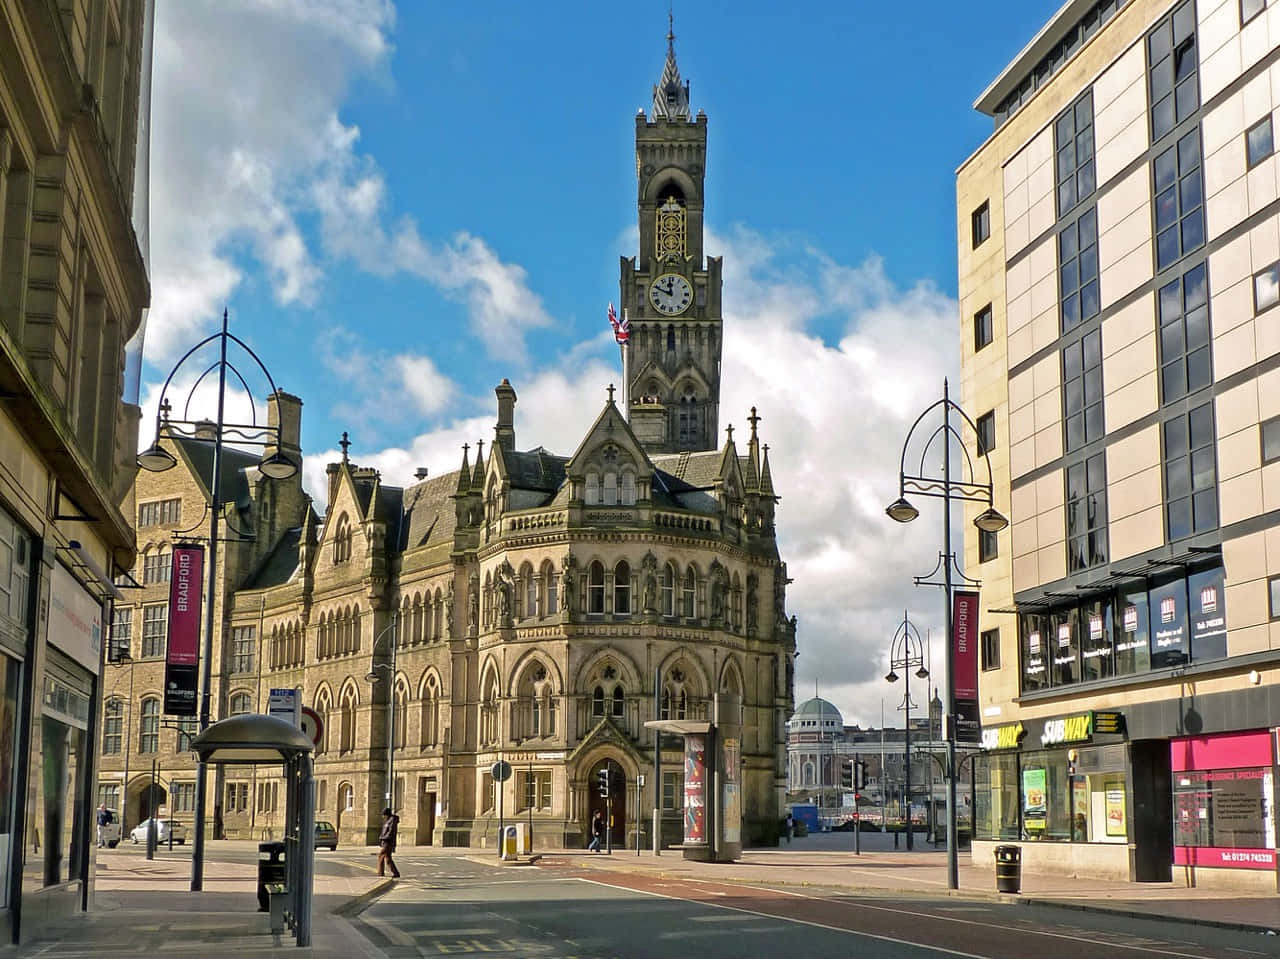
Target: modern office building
[(1119, 260), (73, 287), (529, 606)]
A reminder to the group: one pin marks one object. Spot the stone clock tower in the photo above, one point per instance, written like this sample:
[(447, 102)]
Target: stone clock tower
[(671, 295)]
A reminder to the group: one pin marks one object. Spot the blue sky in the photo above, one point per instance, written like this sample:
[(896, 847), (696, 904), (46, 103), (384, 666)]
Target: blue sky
[(401, 205)]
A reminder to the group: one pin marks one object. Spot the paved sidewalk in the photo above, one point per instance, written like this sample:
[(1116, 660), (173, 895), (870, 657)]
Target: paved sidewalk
[(144, 908), (924, 872)]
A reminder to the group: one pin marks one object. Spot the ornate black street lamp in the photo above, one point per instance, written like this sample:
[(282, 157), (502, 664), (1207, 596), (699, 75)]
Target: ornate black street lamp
[(906, 649), (275, 466), (947, 488)]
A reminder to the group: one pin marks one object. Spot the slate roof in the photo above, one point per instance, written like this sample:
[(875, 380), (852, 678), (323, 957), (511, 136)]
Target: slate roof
[(535, 469), (234, 487), (429, 515), (279, 565), (695, 470)]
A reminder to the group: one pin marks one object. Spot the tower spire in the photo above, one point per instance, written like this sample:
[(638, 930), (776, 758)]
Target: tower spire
[(670, 99)]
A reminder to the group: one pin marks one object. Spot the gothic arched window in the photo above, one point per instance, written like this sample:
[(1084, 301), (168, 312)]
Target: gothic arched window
[(597, 702), (550, 589), (342, 540), (530, 604), (669, 580), (619, 702), (430, 712), (595, 587), (609, 494), (622, 589), (627, 491), (688, 418), (687, 594), (593, 489)]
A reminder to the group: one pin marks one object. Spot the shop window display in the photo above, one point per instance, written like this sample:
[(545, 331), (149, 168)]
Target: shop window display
[(57, 801), (1223, 801), (995, 813)]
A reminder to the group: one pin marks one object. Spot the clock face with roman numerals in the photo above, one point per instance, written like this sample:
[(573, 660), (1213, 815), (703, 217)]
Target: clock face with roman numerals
[(670, 294)]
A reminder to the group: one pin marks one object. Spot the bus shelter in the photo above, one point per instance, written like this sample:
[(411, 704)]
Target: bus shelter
[(253, 739)]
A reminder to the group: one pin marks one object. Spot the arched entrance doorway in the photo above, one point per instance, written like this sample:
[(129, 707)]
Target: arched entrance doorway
[(143, 798), (615, 807)]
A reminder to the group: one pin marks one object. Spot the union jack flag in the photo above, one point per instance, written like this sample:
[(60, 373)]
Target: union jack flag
[(621, 328)]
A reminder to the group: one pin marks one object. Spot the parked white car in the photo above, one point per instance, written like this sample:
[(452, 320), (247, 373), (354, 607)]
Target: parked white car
[(139, 832)]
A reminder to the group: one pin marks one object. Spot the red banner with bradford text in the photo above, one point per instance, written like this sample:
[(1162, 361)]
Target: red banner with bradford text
[(964, 659), (183, 653)]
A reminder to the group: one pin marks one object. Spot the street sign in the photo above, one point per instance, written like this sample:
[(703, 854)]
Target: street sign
[(283, 704), (501, 771), (312, 725)]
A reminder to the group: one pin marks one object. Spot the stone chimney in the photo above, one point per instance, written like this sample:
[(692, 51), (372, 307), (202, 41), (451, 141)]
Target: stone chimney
[(284, 413), (504, 433), (420, 473)]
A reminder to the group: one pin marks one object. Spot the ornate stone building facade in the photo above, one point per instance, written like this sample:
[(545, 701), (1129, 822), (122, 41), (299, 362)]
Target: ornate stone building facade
[(528, 606)]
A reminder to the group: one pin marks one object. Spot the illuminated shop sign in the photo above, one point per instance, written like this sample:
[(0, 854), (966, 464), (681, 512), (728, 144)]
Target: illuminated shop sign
[(1007, 736), (1081, 727)]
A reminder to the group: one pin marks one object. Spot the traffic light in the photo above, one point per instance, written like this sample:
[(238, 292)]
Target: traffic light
[(603, 778), (860, 774), (846, 775)]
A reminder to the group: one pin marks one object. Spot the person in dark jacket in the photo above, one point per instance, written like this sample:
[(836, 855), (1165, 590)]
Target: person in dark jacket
[(387, 842), (104, 820), (597, 831)]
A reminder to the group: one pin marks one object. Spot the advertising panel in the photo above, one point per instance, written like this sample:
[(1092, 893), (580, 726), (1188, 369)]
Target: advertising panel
[(732, 808), (1035, 803), (695, 794), (183, 653), (75, 619), (964, 641)]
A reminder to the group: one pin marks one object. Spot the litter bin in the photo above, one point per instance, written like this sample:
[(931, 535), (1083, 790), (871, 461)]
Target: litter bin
[(1008, 868), (270, 869)]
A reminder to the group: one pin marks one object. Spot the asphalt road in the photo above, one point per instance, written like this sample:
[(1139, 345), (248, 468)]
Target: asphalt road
[(457, 906)]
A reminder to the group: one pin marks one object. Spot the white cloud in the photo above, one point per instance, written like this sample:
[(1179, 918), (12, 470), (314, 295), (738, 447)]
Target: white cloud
[(243, 117)]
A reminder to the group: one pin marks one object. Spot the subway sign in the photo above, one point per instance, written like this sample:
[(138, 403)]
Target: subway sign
[(1081, 727), (1007, 736)]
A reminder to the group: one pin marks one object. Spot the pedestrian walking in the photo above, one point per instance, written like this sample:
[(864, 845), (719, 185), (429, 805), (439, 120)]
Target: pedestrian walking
[(104, 820), (597, 831), (387, 842), (790, 824)]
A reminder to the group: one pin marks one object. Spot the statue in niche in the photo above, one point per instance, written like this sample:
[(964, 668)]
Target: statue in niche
[(473, 601), (780, 595), (448, 611), (567, 584), (719, 585), (753, 585), (505, 580), (650, 566)]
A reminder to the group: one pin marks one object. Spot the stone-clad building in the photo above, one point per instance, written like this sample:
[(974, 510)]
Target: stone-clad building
[(73, 288), (522, 607)]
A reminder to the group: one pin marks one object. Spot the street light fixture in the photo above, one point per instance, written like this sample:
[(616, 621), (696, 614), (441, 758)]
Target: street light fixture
[(373, 677), (906, 649), (157, 459), (990, 520)]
